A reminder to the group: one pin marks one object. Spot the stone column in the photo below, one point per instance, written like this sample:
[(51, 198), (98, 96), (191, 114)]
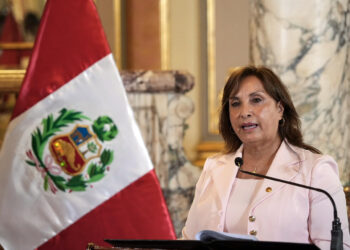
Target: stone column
[(307, 44), (161, 110)]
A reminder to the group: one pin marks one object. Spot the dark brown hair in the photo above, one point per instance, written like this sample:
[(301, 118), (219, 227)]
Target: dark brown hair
[(288, 129)]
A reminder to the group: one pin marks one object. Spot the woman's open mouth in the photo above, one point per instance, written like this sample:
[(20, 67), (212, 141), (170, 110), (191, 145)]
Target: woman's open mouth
[(249, 126)]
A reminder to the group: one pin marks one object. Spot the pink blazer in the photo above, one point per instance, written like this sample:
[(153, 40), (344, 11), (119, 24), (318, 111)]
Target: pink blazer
[(281, 212)]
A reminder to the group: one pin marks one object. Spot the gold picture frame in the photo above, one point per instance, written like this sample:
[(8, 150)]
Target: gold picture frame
[(11, 79)]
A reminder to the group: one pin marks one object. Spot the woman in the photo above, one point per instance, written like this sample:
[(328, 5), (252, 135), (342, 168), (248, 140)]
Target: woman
[(259, 123)]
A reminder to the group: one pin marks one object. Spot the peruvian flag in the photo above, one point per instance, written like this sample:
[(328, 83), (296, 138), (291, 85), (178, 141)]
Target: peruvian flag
[(73, 166)]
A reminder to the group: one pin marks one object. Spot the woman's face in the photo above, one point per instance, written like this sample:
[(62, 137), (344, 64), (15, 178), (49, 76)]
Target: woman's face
[(254, 114)]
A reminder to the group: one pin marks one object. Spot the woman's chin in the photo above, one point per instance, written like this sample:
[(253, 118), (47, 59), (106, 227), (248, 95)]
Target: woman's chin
[(251, 140)]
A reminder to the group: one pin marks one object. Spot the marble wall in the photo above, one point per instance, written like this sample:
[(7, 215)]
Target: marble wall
[(161, 110), (307, 44)]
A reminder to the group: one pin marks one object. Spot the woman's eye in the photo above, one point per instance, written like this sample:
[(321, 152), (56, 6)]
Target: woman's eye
[(256, 100), (234, 104)]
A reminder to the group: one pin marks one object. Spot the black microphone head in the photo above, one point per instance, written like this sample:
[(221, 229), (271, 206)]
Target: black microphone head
[(239, 161)]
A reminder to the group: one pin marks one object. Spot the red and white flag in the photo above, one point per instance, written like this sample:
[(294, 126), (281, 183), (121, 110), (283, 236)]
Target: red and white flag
[(73, 166)]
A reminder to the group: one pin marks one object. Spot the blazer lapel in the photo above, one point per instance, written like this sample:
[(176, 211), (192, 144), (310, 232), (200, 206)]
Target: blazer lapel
[(224, 174), (285, 166)]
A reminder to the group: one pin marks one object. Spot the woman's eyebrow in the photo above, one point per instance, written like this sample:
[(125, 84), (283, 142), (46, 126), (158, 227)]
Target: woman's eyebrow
[(233, 98), (251, 94), (257, 92)]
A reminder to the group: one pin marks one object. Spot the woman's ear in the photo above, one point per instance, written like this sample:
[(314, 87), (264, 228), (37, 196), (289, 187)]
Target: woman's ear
[(280, 108)]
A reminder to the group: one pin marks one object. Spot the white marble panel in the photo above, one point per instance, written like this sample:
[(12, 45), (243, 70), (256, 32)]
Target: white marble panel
[(307, 44), (162, 120)]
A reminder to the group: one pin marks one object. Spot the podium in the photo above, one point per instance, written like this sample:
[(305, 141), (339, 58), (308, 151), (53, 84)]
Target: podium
[(200, 245)]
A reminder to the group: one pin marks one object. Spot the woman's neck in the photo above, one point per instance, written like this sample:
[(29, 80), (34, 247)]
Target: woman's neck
[(262, 150), (258, 157)]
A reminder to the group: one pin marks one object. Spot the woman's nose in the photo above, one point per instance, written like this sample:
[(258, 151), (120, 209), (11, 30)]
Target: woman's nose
[(245, 111)]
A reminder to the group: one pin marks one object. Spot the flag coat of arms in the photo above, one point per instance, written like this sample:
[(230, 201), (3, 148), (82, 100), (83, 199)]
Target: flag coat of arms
[(73, 166)]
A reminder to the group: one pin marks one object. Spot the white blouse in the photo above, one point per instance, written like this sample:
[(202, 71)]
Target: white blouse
[(241, 195)]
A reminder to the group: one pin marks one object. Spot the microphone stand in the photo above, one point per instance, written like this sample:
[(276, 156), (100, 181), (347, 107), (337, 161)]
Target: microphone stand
[(336, 232)]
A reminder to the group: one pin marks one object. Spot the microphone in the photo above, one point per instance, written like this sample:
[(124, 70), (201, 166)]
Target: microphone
[(336, 232)]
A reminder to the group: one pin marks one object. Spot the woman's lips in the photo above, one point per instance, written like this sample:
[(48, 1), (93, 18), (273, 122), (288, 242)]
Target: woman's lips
[(249, 126)]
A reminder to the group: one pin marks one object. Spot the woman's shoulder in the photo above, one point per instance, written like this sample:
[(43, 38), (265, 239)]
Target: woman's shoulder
[(321, 171), (219, 159), (218, 156), (307, 155), (311, 160)]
